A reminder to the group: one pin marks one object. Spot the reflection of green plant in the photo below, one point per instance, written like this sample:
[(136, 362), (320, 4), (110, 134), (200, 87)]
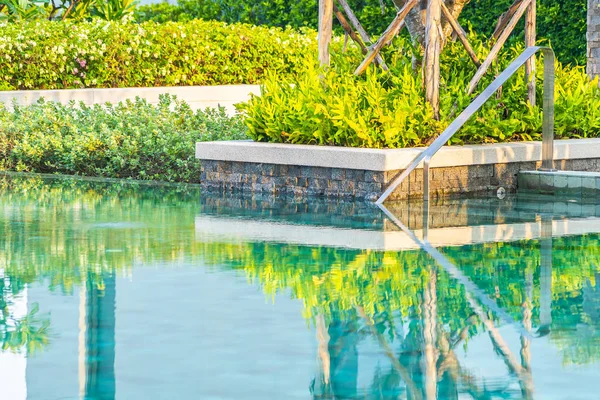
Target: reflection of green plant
[(333, 282), (152, 224), (93, 226), (29, 332)]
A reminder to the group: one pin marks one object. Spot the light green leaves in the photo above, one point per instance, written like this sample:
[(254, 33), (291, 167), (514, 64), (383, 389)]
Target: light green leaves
[(388, 110)]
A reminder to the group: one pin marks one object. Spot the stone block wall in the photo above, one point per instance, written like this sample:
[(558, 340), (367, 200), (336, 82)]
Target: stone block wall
[(303, 181)]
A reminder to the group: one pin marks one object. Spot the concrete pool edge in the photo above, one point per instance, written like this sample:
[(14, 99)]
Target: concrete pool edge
[(305, 170)]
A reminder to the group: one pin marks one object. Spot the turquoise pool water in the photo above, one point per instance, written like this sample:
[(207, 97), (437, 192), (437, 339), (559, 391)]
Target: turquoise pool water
[(121, 291)]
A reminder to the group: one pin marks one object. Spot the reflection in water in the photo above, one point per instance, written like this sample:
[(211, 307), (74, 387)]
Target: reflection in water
[(99, 339), (388, 324)]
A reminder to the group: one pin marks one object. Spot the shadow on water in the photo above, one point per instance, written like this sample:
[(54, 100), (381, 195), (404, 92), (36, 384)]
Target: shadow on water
[(403, 306)]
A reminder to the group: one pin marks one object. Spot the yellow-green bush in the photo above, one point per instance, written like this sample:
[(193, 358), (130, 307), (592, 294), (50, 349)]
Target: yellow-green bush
[(67, 54), (387, 109)]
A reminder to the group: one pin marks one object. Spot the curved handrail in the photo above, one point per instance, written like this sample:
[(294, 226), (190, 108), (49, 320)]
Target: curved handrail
[(547, 126)]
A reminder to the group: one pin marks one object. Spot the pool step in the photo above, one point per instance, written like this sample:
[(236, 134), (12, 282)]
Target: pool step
[(574, 185)]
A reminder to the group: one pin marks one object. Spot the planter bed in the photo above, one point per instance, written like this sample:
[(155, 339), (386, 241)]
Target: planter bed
[(305, 171)]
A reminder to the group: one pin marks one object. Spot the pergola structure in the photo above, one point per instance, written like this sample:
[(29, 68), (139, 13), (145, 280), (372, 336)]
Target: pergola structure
[(437, 19)]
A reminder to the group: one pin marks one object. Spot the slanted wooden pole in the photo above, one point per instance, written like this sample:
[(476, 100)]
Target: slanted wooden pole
[(505, 19), (454, 7), (497, 46), (530, 37), (348, 29), (361, 31), (462, 36), (433, 48), (325, 29), (389, 33)]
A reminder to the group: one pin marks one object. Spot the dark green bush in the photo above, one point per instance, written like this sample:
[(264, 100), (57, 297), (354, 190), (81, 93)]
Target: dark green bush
[(563, 23), (56, 55), (388, 109), (133, 139)]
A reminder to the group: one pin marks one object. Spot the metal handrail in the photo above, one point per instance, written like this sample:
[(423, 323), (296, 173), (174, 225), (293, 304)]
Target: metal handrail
[(547, 125)]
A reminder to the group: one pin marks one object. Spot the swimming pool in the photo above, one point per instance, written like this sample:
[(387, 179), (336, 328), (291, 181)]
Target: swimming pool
[(116, 290)]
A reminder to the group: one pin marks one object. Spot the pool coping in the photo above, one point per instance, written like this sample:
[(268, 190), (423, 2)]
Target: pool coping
[(390, 159)]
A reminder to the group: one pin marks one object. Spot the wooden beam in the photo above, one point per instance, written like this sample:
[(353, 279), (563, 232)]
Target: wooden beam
[(348, 29), (389, 33), (462, 36), (433, 48), (325, 29), (504, 19), (497, 46), (361, 31), (530, 38)]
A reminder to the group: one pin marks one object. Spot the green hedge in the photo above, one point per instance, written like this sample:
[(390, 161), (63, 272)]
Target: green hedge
[(561, 22), (382, 109), (56, 55), (133, 139)]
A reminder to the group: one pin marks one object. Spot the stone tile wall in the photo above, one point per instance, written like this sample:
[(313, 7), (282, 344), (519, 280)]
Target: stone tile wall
[(302, 181)]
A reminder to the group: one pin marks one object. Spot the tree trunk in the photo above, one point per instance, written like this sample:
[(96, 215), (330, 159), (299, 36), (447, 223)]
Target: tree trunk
[(593, 38), (530, 37), (433, 48), (416, 19)]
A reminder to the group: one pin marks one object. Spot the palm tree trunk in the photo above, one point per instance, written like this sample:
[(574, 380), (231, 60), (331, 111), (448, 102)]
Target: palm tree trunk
[(593, 38), (415, 20)]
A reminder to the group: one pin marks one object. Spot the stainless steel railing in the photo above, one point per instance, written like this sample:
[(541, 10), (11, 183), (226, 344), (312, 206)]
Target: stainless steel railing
[(547, 126)]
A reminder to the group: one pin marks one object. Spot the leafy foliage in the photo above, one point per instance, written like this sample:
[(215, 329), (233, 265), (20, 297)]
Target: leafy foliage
[(563, 23), (28, 10), (57, 55), (21, 10), (113, 10), (381, 109), (133, 139)]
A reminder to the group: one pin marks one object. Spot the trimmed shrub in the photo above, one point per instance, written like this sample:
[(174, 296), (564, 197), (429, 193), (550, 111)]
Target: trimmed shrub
[(57, 55), (382, 109), (133, 139), (563, 23)]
